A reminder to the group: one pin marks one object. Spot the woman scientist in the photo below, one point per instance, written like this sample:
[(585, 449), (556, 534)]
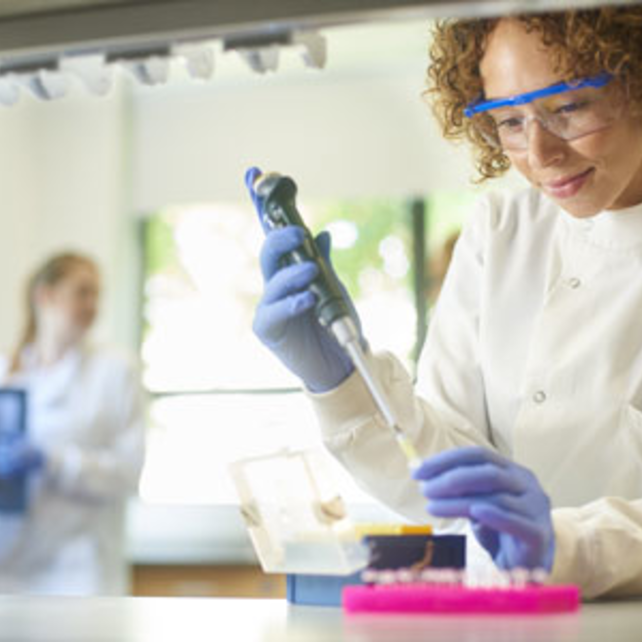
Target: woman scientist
[(83, 449), (528, 405)]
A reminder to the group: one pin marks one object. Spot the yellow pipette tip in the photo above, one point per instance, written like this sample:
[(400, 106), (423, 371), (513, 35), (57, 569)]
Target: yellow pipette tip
[(408, 449)]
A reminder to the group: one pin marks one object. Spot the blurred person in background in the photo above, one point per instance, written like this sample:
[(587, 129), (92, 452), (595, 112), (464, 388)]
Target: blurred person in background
[(82, 451)]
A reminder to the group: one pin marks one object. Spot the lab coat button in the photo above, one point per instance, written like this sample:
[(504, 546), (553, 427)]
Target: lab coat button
[(574, 283), (539, 396)]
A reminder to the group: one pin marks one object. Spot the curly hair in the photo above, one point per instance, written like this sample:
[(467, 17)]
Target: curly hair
[(580, 42)]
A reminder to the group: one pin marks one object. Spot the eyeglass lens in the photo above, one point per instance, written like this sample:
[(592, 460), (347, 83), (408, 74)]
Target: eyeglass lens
[(568, 116)]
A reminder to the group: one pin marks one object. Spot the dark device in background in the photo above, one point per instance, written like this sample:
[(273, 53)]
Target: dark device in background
[(13, 421)]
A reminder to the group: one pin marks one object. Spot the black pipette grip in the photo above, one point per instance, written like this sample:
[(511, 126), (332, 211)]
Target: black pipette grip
[(277, 198)]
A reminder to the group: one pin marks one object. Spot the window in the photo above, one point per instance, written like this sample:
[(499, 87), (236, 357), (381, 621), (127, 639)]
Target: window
[(217, 394)]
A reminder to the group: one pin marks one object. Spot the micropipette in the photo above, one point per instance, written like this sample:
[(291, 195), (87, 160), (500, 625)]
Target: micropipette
[(276, 194)]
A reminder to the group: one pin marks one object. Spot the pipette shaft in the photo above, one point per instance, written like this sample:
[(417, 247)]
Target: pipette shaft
[(347, 335)]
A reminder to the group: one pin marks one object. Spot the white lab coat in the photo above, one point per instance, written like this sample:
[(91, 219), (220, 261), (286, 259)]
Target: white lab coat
[(85, 412), (535, 349)]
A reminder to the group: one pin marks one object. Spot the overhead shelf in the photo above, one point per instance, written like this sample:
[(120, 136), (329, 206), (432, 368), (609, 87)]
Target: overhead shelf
[(34, 30)]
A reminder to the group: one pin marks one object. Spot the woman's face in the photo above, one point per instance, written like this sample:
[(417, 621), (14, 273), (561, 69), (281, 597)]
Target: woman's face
[(601, 170), (70, 306)]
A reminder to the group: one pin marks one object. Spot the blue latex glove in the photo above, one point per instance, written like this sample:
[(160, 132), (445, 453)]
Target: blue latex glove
[(18, 457), (284, 320), (509, 511)]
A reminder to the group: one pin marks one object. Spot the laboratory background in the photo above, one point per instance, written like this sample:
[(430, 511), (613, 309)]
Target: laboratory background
[(148, 181)]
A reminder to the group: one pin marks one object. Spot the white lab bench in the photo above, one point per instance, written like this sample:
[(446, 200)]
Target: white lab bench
[(31, 619)]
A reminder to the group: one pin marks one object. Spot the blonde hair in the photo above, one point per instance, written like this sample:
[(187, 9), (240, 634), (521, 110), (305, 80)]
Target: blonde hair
[(50, 273)]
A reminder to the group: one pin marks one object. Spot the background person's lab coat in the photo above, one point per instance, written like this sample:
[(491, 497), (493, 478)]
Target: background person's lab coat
[(85, 412)]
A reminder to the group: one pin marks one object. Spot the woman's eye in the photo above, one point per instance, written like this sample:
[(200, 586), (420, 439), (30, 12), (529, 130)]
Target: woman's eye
[(569, 108), (510, 124)]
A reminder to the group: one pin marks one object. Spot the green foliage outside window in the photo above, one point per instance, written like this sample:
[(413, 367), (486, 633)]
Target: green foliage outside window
[(375, 219)]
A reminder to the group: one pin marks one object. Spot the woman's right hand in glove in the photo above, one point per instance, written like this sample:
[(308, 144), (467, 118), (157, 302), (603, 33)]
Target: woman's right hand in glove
[(284, 320)]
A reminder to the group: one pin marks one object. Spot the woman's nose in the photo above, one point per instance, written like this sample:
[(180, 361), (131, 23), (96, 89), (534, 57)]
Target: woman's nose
[(544, 148)]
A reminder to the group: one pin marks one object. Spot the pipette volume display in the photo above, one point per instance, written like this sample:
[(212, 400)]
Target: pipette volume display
[(276, 195)]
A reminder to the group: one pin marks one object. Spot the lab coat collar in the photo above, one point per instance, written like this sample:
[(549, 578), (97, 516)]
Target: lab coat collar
[(610, 229), (55, 381), (68, 360)]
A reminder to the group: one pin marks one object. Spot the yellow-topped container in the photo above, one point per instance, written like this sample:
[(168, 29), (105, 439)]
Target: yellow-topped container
[(363, 530)]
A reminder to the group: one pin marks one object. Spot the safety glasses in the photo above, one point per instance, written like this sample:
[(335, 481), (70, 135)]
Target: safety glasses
[(569, 110)]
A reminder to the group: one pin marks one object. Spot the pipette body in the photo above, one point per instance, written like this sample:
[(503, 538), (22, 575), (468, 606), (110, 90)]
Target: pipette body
[(277, 197)]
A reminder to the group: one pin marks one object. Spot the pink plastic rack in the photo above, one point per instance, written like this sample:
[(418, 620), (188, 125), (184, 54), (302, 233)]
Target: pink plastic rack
[(427, 598)]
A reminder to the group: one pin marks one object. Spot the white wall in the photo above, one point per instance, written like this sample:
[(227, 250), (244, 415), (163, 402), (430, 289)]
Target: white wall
[(17, 182), (339, 133)]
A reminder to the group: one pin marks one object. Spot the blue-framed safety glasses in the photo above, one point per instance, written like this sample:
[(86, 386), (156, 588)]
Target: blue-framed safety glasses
[(568, 110)]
